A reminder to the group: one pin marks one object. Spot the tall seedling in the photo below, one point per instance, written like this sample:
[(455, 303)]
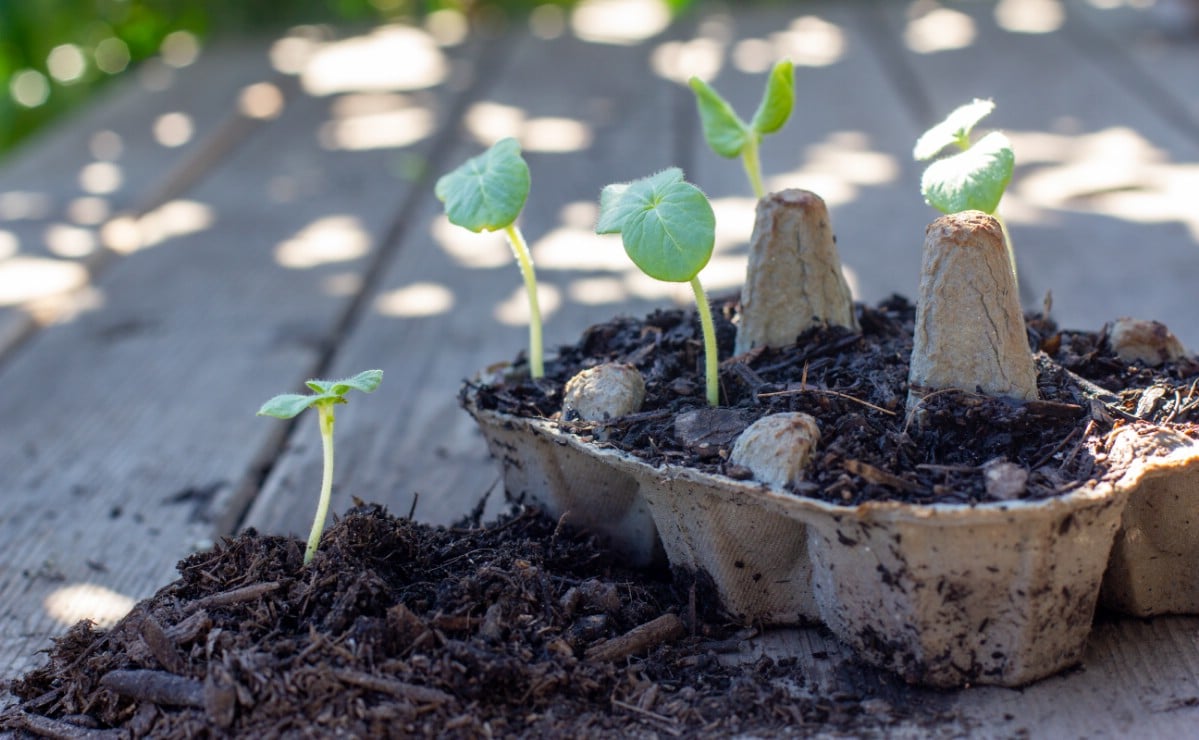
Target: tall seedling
[(729, 136), (487, 193), (668, 230), (326, 395)]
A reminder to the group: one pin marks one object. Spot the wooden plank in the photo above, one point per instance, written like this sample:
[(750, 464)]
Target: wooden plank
[(411, 437), (1139, 678), (134, 429), (1098, 205), (153, 130), (1155, 59)]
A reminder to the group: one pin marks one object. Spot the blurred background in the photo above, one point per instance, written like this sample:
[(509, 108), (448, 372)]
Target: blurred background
[(55, 53)]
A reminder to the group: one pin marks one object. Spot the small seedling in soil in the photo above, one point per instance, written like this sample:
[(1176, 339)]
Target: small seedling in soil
[(326, 395), (487, 193), (668, 230), (729, 136), (974, 178)]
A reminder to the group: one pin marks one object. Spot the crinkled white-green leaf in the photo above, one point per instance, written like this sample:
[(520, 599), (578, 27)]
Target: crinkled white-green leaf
[(971, 180), (955, 129)]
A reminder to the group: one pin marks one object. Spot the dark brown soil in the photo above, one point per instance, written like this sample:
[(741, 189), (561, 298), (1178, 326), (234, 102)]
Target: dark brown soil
[(400, 630), (855, 385)]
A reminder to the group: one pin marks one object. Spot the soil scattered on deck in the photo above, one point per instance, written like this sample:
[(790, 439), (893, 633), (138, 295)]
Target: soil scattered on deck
[(398, 630)]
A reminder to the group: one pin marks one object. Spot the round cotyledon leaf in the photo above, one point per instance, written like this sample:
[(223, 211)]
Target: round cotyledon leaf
[(487, 192), (971, 180), (671, 236)]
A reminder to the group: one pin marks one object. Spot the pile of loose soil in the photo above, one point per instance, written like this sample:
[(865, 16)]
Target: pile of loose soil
[(855, 385), (397, 629)]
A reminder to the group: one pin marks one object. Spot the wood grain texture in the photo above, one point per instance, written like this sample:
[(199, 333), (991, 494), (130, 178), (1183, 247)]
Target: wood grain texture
[(133, 433), (60, 191)]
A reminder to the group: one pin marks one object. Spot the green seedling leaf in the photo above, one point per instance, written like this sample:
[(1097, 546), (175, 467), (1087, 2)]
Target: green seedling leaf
[(287, 405), (777, 100), (974, 179), (954, 130), (487, 192), (671, 231), (724, 130), (615, 208), (365, 381), (327, 394)]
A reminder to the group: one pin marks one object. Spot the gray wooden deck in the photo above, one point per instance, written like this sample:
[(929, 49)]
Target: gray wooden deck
[(152, 296)]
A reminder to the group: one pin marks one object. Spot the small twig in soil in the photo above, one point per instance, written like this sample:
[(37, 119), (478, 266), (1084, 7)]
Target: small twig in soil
[(838, 394), (392, 687), (157, 687), (1060, 446), (665, 628), (235, 596), (948, 468), (412, 508), (53, 728), (871, 474), (670, 726), (1086, 432)]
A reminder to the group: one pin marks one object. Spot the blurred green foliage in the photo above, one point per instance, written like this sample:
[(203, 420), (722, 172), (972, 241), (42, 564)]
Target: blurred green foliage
[(93, 40)]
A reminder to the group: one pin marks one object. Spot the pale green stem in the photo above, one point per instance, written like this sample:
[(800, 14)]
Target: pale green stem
[(711, 361), (325, 412), (525, 260), (1011, 251), (753, 165)]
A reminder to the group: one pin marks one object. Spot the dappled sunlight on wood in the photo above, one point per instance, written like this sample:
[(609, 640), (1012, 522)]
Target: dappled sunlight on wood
[(489, 122), (327, 240), (417, 299), (261, 100), (939, 29), (173, 129), (620, 22), (100, 178), (480, 251), (25, 279), (514, 310), (88, 211), (69, 604), (375, 121), (1116, 172), (838, 167), (387, 58), (1030, 16), (127, 234), (70, 241)]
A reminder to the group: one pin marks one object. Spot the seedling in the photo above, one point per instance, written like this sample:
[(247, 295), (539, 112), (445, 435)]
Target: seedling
[(487, 193), (729, 136), (327, 394), (668, 230), (975, 177)]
